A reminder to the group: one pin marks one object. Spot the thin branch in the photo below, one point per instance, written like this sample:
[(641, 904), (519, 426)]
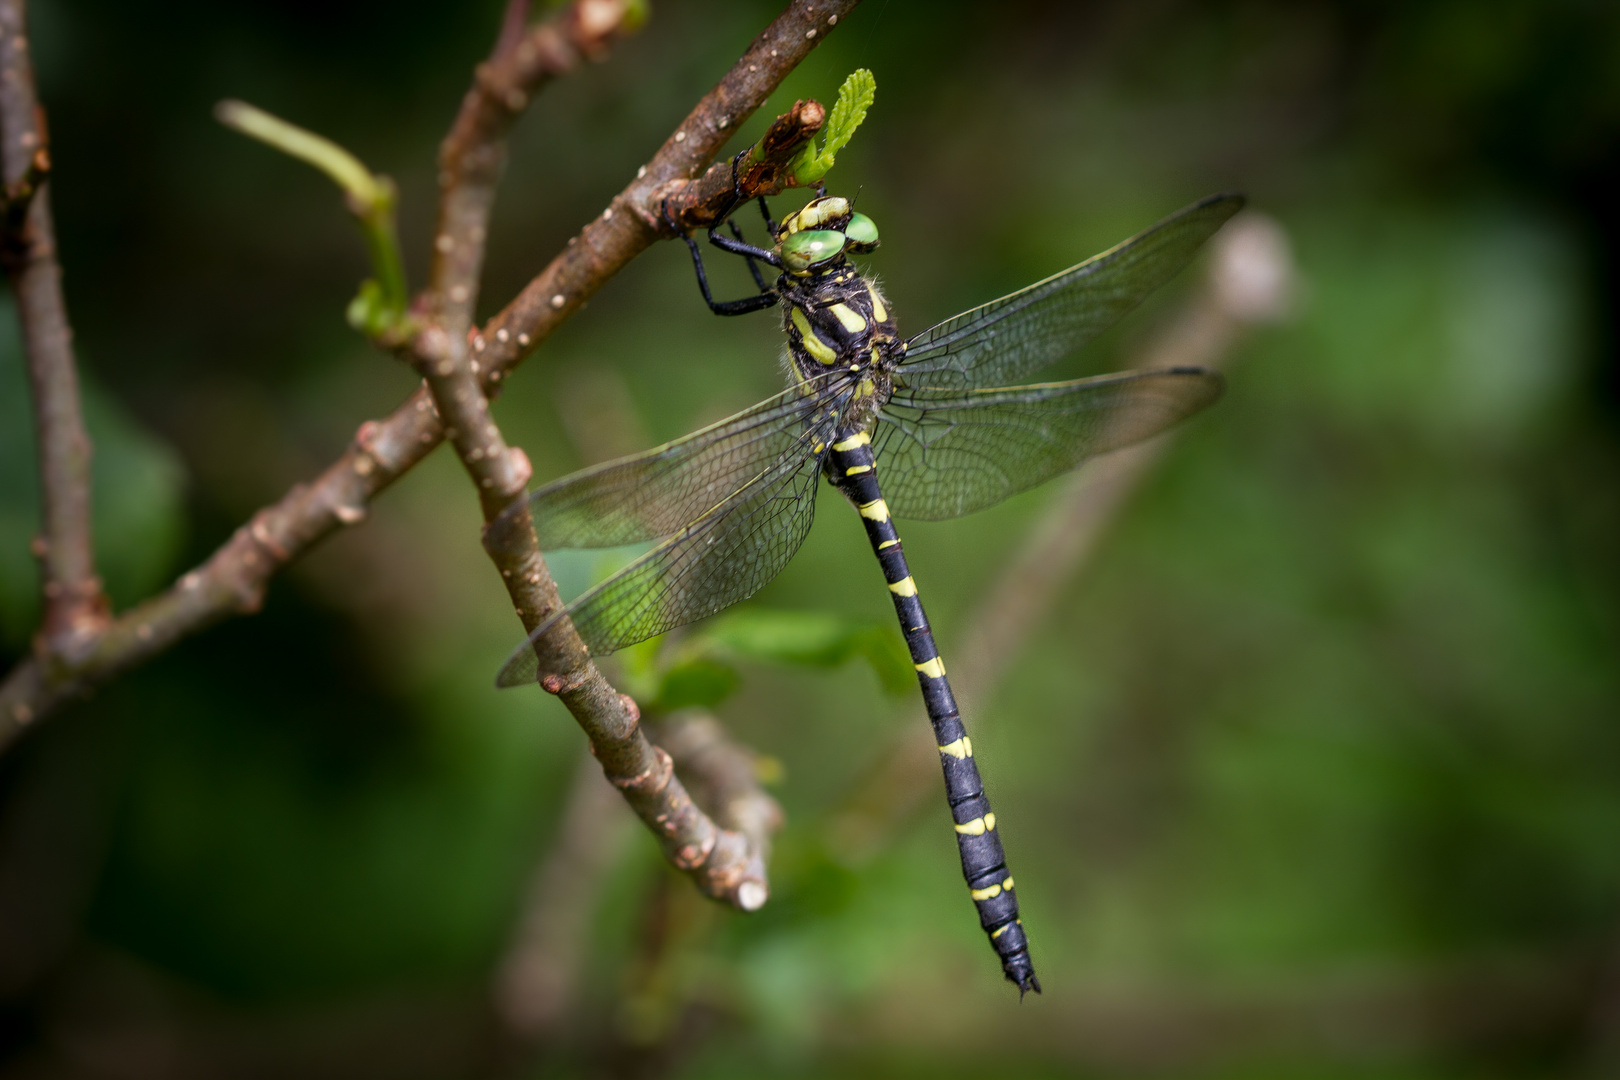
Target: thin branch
[(473, 154), (536, 982), (1250, 281), (75, 607), (232, 581), (634, 219), (346, 171)]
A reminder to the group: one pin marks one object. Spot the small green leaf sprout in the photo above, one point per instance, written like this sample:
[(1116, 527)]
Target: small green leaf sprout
[(379, 309), (854, 98)]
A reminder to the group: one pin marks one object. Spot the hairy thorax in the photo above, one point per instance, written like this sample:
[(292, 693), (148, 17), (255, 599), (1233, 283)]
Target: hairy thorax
[(837, 319)]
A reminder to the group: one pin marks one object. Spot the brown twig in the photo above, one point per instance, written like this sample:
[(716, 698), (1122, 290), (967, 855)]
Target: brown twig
[(473, 154), (536, 981), (75, 607), (1250, 282), (232, 581)]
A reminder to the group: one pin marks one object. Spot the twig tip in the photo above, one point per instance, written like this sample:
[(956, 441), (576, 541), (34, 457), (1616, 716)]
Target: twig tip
[(751, 895)]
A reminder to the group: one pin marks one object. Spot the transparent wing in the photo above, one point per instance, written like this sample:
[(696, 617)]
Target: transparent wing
[(1008, 339), (724, 556), (653, 494), (942, 454)]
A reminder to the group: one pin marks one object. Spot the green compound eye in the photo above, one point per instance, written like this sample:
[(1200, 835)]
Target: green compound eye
[(803, 250), (862, 233)]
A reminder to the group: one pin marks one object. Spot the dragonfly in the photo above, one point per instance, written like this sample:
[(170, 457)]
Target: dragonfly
[(944, 415)]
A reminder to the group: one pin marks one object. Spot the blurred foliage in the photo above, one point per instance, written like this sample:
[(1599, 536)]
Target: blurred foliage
[(701, 669), (1313, 772)]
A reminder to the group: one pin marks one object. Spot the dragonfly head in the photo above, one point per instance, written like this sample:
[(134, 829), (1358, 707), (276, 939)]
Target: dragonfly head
[(820, 234)]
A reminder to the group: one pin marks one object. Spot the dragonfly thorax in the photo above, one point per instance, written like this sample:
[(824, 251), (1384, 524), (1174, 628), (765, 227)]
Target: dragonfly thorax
[(841, 337)]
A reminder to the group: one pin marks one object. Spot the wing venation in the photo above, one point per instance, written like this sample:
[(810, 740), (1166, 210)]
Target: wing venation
[(942, 454), (1008, 339), (653, 494), (724, 556)]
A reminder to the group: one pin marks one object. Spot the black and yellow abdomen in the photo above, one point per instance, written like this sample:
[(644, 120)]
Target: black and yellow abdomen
[(853, 468)]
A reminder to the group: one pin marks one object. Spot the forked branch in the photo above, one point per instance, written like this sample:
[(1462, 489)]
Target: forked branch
[(724, 863), (232, 580), (462, 367)]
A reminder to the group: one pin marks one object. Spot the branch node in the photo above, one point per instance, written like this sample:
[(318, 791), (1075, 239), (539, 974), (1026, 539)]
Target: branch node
[(565, 684), (651, 780), (261, 536), (17, 197), (519, 470), (692, 856)]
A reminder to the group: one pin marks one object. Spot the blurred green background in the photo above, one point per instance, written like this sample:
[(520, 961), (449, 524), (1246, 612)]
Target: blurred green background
[(1314, 771)]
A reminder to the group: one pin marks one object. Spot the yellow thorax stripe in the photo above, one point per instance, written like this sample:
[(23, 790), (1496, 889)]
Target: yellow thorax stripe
[(812, 344), (849, 317), (878, 312), (856, 470), (860, 438), (934, 669)]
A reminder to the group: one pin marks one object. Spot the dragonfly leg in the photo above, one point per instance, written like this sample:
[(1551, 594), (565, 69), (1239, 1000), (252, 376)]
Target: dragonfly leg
[(770, 223), (765, 298), (738, 247), (747, 304), (753, 268)]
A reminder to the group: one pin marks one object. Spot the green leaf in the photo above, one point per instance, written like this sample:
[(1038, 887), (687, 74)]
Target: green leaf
[(854, 99), (812, 639), (886, 652), (693, 682)]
